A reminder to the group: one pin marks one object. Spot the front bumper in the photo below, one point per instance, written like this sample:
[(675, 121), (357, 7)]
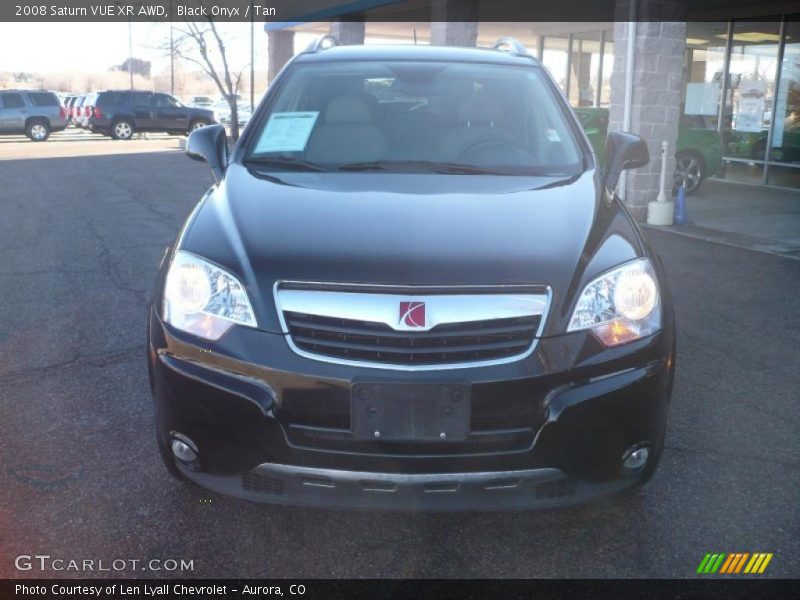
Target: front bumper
[(273, 426), (334, 488)]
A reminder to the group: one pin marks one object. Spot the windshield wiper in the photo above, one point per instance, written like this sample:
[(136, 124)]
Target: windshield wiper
[(288, 164), (446, 168), (418, 165)]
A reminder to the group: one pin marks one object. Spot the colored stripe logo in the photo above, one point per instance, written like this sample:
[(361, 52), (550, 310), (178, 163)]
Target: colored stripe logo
[(733, 563)]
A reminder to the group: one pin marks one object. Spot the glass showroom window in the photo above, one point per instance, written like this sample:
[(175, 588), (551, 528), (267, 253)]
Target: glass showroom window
[(555, 57), (584, 69), (705, 69), (747, 113), (784, 145)]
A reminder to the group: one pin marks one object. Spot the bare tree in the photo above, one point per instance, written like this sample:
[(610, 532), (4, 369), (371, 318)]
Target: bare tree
[(88, 81), (206, 42)]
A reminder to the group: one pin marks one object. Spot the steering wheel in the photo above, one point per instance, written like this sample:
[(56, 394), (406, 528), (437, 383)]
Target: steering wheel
[(480, 149)]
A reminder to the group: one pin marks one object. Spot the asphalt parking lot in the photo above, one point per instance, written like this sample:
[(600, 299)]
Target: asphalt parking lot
[(81, 236)]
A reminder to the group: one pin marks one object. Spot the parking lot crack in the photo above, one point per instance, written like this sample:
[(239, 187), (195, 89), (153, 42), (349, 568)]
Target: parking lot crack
[(95, 360), (110, 267)]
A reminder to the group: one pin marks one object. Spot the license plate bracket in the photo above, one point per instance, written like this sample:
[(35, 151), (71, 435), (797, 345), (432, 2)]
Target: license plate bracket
[(410, 412)]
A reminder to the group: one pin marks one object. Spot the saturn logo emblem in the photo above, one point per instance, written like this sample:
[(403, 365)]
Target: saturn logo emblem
[(412, 314)]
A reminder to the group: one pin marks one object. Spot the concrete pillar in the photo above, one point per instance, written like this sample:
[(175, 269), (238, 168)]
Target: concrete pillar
[(349, 33), (454, 22), (280, 50), (657, 86)]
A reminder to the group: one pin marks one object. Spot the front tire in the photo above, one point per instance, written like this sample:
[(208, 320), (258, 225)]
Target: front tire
[(38, 130), (122, 130), (689, 167)]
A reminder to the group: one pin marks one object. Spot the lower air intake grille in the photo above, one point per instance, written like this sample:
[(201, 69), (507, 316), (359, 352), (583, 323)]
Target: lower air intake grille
[(367, 341), (253, 482), (556, 489)]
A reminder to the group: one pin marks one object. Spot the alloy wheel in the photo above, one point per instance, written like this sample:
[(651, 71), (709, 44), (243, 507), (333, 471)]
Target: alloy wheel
[(123, 130), (38, 132), (688, 172)]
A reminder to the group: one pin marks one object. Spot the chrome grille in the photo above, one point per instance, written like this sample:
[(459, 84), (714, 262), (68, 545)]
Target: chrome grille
[(447, 343)]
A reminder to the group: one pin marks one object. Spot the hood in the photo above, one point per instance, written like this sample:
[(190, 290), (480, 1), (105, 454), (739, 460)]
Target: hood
[(201, 112), (398, 229)]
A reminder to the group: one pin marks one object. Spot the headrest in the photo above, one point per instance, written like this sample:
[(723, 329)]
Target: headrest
[(480, 108), (349, 108)]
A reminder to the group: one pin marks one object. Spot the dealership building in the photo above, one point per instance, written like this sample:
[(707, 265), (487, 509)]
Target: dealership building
[(661, 67)]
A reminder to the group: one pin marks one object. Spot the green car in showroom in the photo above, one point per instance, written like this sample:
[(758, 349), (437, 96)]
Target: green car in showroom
[(698, 152), (754, 145)]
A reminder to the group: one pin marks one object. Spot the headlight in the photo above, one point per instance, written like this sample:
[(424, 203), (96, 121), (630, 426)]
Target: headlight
[(204, 299), (620, 306)]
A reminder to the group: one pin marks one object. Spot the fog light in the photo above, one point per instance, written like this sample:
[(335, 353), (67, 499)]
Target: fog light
[(635, 458), (183, 451)]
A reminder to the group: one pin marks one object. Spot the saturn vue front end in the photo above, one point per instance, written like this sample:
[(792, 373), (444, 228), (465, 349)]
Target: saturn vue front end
[(411, 287)]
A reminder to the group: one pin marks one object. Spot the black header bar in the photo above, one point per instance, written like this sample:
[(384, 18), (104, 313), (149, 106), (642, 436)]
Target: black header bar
[(296, 11)]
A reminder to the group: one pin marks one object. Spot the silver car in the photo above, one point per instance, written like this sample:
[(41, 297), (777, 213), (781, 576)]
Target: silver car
[(35, 113)]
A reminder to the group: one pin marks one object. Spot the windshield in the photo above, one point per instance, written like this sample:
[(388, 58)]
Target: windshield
[(415, 117)]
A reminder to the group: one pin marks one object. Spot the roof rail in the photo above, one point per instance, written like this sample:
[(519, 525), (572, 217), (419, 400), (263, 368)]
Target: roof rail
[(323, 42), (511, 46)]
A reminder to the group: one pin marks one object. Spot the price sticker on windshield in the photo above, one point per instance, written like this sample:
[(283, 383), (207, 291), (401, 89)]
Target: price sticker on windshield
[(287, 132)]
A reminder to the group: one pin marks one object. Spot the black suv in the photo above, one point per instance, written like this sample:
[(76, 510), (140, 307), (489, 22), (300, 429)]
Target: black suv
[(122, 113), (412, 287)]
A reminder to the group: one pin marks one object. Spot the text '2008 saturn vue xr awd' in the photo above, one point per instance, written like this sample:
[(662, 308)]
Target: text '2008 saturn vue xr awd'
[(411, 287)]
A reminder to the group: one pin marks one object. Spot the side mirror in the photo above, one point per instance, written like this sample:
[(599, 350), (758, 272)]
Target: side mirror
[(211, 145), (623, 151)]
